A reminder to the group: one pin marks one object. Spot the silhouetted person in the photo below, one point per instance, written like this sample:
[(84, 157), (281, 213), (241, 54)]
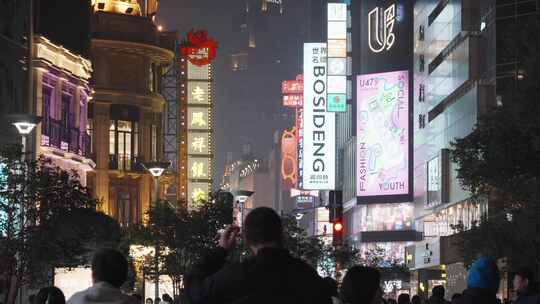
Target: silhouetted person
[(332, 288), (167, 298), (391, 301), (49, 295), (149, 301), (437, 296), (404, 298), (482, 283), (455, 298), (416, 300), (272, 275), (109, 272), (137, 297), (361, 285), (523, 283)]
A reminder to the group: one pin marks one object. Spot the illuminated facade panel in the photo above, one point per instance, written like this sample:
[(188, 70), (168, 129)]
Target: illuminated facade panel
[(198, 72), (337, 61), (198, 191), (198, 92), (337, 48), (199, 143), (198, 118), (199, 167)]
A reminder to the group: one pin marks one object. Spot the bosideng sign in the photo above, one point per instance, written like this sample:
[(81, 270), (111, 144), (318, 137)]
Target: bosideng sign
[(319, 125)]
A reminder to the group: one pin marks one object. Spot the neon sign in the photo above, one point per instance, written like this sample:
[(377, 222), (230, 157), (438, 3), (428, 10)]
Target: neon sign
[(381, 28), (289, 164), (199, 49)]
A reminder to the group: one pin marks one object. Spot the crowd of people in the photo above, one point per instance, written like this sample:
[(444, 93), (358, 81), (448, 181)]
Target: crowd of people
[(272, 275)]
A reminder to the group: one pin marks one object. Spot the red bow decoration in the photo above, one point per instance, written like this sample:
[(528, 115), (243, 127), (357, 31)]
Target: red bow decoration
[(194, 46)]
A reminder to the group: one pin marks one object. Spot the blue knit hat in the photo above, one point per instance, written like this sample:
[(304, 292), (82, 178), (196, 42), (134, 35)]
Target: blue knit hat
[(484, 274)]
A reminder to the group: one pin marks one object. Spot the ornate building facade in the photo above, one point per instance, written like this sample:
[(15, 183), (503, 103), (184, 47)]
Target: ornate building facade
[(125, 115), (61, 96)]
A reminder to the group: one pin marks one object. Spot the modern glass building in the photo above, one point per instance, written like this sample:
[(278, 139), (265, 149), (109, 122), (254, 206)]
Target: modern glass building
[(452, 88)]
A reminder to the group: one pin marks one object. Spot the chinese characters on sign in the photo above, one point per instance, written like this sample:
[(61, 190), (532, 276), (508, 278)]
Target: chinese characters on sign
[(199, 51), (198, 118), (319, 124)]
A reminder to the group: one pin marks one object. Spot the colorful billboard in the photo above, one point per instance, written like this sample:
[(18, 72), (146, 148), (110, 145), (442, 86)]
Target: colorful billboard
[(319, 124), (383, 139)]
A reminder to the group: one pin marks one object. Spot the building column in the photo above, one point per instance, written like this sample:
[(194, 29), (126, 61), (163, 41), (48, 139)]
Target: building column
[(145, 191), (38, 106), (101, 146)]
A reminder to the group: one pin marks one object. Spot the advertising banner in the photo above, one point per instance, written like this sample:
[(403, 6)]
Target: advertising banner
[(319, 124), (383, 139), (300, 148)]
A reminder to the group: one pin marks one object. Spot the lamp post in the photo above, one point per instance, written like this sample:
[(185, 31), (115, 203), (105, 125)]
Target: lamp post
[(241, 196), (25, 124), (156, 169)]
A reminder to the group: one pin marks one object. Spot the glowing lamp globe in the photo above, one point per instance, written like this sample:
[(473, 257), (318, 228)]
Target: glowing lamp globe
[(24, 128), (25, 123), (156, 168)]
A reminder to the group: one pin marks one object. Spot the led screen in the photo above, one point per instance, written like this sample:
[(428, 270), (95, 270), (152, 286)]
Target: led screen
[(383, 139)]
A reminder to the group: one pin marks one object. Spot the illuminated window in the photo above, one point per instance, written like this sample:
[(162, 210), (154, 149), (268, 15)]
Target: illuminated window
[(65, 111), (124, 208), (123, 144), (154, 142), (46, 109), (151, 78), (90, 132)]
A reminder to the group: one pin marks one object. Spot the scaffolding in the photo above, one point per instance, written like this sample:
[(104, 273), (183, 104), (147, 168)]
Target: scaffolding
[(169, 90)]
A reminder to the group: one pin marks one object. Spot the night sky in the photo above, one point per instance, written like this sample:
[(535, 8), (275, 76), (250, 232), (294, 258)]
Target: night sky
[(247, 104)]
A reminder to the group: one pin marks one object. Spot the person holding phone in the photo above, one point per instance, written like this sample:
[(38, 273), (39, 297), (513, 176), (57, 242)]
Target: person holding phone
[(271, 275)]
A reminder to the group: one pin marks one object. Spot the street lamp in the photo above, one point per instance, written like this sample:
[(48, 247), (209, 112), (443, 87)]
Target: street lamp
[(156, 169), (241, 196), (25, 124)]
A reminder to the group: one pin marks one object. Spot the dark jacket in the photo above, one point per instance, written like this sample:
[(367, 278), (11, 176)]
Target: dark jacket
[(528, 298), (434, 300), (478, 296), (273, 276)]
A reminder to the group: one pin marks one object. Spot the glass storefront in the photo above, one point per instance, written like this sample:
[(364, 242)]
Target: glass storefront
[(444, 222)]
